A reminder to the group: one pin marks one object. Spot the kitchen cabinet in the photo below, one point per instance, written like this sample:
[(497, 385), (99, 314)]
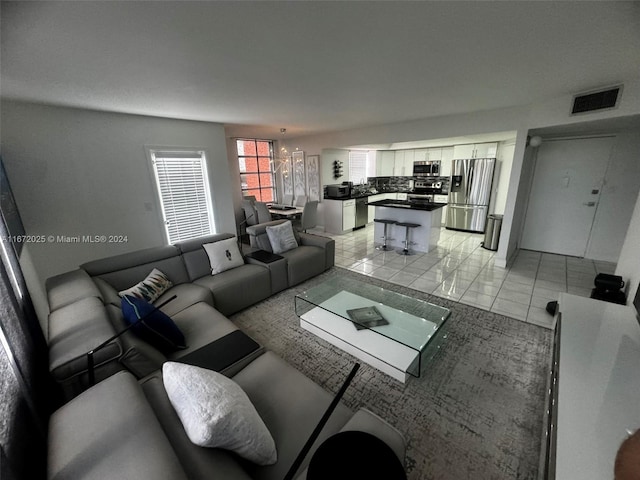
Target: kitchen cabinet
[(372, 210), (385, 162), (348, 214), (445, 162), (434, 154), (339, 215), (403, 165), (476, 150), (420, 155)]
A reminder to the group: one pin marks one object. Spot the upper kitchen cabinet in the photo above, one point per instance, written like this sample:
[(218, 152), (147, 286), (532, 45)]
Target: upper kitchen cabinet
[(385, 163), (434, 154), (420, 155), (403, 165), (445, 161), (477, 150)]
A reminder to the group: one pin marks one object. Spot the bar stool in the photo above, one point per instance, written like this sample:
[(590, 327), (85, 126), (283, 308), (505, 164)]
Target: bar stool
[(407, 225), (385, 236)]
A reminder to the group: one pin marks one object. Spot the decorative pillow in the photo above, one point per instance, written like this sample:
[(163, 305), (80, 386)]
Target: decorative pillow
[(150, 288), (223, 255), (157, 328), (282, 237), (217, 413)]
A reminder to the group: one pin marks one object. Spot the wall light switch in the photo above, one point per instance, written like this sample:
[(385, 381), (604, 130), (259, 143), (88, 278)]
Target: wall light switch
[(565, 181)]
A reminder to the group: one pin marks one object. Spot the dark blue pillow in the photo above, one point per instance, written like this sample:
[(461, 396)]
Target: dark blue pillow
[(157, 328)]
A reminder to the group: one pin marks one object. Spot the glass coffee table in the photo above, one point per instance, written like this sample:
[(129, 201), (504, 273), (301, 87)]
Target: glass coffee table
[(395, 333)]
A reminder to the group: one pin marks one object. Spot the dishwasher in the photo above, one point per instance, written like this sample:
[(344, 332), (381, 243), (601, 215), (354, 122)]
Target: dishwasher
[(362, 212)]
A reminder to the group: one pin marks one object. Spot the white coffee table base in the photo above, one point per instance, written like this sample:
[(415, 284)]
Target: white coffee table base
[(386, 355)]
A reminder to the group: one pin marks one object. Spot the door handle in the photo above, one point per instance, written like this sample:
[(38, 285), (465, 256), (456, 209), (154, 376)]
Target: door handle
[(590, 204)]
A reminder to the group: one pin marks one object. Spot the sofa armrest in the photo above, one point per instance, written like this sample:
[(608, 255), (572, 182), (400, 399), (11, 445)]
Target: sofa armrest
[(329, 244)]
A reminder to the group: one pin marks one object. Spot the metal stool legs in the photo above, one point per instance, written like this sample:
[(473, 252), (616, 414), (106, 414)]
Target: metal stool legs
[(407, 225), (385, 235)]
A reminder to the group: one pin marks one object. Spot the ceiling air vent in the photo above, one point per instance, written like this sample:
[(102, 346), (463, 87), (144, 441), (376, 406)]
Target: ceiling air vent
[(597, 100)]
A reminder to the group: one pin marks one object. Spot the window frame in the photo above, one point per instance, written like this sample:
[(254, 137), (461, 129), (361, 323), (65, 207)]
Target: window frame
[(259, 173), (189, 152)]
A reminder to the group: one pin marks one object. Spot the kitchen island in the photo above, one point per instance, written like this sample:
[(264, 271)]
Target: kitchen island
[(427, 215)]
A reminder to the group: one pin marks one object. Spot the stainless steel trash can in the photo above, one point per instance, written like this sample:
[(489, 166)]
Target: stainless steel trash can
[(492, 232)]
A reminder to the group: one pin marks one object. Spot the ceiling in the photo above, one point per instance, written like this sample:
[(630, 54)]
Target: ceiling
[(312, 66)]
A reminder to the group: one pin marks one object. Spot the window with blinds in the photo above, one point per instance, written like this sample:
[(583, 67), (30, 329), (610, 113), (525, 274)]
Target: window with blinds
[(358, 166), (183, 187)]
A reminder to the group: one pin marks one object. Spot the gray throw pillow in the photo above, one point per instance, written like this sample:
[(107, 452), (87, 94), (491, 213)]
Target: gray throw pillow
[(281, 237)]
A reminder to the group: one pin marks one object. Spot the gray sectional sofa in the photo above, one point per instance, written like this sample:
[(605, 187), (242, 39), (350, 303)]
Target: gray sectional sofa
[(125, 426), (85, 305)]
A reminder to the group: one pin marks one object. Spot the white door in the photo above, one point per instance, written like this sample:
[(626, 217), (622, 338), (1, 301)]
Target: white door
[(564, 195)]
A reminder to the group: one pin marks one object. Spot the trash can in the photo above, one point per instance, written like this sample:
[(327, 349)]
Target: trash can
[(492, 232)]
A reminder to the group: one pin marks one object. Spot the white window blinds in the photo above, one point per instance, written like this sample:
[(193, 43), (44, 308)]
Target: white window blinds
[(184, 194), (358, 166)]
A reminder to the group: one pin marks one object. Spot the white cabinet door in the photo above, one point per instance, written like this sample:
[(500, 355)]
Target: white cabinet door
[(463, 151), (445, 161), (434, 154), (409, 158), (372, 210), (398, 165), (420, 155), (348, 214), (485, 150), (385, 163)]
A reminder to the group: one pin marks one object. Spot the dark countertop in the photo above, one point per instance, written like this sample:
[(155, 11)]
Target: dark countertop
[(408, 205), (365, 195)]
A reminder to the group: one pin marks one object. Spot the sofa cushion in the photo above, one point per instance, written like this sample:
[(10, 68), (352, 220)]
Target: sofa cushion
[(238, 288), (303, 263), (281, 237), (199, 463), (291, 405), (216, 413), (69, 287), (187, 294), (73, 331), (154, 285), (194, 256), (123, 271), (152, 325), (223, 255), (110, 431)]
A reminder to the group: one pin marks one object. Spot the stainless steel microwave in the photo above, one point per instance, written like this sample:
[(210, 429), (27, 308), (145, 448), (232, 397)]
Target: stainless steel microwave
[(426, 169)]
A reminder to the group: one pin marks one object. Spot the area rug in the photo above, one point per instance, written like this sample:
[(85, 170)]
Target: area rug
[(477, 410)]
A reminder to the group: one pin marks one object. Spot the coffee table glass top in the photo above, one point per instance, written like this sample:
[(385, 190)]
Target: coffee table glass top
[(401, 318)]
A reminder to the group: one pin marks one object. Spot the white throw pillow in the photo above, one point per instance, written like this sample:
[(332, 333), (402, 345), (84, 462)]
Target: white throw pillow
[(150, 288), (217, 413), (223, 255), (281, 237)]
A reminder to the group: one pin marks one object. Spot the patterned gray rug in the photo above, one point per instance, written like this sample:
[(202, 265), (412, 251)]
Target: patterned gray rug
[(477, 410)]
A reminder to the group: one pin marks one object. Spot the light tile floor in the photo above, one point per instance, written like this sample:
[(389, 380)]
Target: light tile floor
[(461, 270)]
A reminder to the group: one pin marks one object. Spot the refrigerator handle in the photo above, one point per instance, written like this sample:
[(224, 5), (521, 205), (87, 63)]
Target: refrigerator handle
[(470, 180)]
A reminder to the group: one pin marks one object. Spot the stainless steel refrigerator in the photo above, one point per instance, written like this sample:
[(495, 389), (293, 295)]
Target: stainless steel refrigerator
[(469, 194)]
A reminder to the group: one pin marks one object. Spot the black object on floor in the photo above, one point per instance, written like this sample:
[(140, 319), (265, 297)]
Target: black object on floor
[(354, 454), (613, 296), (552, 307), (222, 353)]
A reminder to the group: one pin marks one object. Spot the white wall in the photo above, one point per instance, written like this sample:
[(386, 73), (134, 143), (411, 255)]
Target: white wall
[(81, 172), (502, 175)]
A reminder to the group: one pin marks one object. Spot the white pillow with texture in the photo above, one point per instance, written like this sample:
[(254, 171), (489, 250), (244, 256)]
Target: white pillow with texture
[(281, 237), (217, 413), (223, 255), (150, 288)]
